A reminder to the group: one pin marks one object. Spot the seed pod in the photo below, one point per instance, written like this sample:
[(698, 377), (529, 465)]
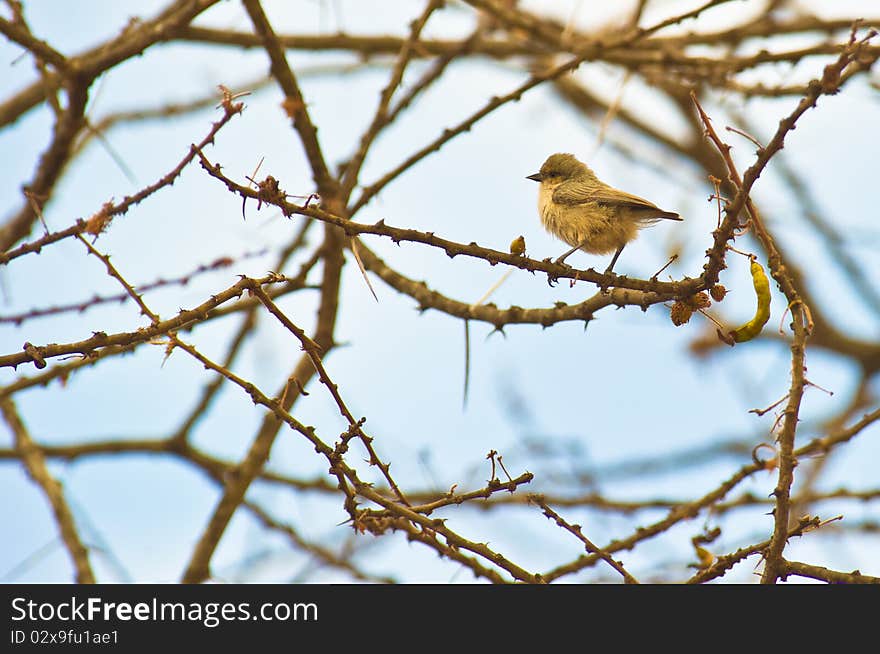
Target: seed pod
[(753, 327), (699, 301), (518, 246), (680, 313), (704, 556)]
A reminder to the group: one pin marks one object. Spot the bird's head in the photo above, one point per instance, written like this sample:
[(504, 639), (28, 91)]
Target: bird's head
[(560, 167)]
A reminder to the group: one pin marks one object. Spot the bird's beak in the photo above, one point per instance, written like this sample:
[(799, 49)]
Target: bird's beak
[(535, 178)]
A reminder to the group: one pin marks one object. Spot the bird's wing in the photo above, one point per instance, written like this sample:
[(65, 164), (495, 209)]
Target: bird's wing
[(573, 193)]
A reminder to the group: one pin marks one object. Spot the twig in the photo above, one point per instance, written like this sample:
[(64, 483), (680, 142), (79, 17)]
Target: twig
[(578, 532), (87, 66), (382, 115), (101, 340), (35, 463), (80, 307), (101, 219), (824, 574), (294, 104), (197, 569), (675, 515), (312, 350), (314, 550)]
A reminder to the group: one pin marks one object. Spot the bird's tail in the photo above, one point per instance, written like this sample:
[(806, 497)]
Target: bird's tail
[(655, 216)]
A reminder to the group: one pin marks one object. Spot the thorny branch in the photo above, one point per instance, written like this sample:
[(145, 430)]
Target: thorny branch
[(801, 322)]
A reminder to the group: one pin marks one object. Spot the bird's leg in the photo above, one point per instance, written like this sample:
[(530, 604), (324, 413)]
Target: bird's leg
[(561, 260), (614, 259)]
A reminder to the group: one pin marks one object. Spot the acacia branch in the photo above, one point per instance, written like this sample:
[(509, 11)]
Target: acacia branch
[(824, 574)]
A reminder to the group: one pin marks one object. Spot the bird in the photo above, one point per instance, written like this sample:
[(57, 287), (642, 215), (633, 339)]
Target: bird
[(577, 207)]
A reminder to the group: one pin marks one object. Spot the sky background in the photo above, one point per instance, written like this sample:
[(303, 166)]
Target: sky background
[(624, 390)]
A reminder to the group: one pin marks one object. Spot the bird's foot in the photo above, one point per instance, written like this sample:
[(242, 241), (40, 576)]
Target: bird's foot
[(552, 279)]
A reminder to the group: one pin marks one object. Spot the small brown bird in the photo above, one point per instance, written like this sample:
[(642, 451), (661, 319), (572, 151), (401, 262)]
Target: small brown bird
[(575, 206)]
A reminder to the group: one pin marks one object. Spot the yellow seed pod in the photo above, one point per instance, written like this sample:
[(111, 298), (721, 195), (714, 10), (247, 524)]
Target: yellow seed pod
[(753, 327), (518, 246)]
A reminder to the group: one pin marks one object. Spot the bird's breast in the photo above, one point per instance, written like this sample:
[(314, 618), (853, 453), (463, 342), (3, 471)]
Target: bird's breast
[(562, 221), (590, 225)]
